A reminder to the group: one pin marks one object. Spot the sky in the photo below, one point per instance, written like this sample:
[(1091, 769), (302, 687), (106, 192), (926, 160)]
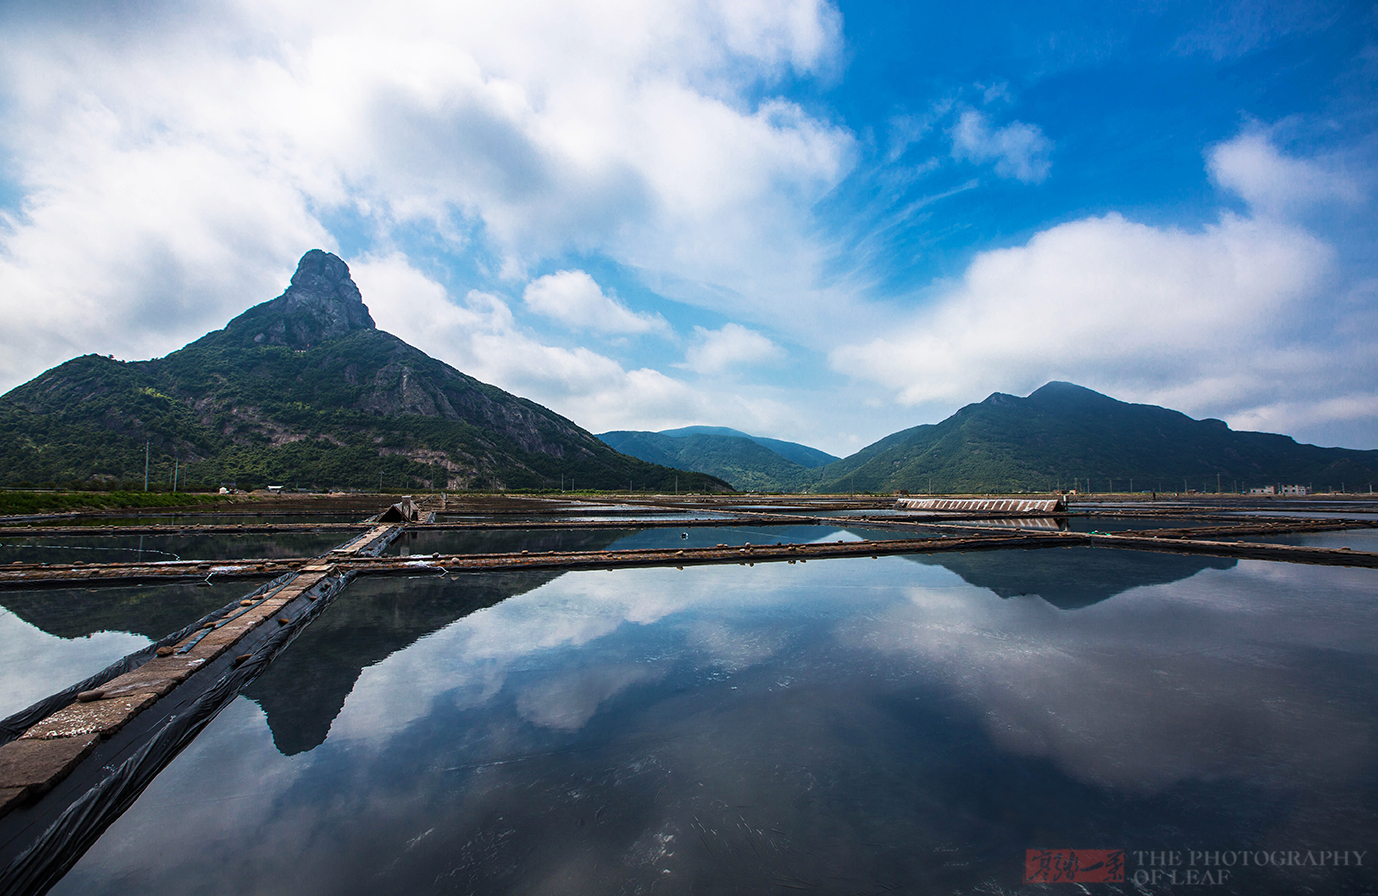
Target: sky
[(821, 222)]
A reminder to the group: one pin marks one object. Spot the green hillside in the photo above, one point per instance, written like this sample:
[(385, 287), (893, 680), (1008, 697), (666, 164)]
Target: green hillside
[(739, 460), (802, 455), (1064, 435), (301, 391)]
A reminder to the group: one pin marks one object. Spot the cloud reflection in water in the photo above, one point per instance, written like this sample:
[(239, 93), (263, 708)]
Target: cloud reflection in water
[(842, 725)]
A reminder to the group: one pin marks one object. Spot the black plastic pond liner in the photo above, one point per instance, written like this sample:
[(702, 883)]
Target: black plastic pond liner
[(23, 720), (376, 547), (105, 790)]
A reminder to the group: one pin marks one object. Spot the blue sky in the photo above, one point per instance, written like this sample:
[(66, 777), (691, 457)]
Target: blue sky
[(818, 222)]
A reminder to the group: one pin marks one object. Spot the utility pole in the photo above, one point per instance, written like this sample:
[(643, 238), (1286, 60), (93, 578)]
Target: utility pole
[(145, 465), (176, 464)]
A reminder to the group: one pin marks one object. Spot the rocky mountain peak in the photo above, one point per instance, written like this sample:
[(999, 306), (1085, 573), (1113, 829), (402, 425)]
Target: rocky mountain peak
[(322, 303)]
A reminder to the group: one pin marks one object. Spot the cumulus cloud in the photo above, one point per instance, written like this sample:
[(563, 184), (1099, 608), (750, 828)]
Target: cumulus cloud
[(1018, 150), (140, 250), (482, 337), (1126, 302), (1228, 319), (574, 298), (731, 345), (1273, 183), (162, 191)]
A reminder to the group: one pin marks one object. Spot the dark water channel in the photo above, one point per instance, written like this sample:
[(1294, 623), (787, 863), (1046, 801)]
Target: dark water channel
[(1354, 539), (496, 541), (850, 726), (15, 548)]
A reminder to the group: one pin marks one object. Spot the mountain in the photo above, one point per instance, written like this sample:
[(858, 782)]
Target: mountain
[(1064, 435), (802, 455), (305, 391), (747, 462)]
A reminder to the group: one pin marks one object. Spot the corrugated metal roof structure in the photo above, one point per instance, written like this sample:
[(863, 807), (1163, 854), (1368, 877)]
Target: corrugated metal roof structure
[(1007, 506)]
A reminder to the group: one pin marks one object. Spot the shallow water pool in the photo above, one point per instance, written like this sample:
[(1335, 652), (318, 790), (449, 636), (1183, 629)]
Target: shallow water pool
[(837, 727)]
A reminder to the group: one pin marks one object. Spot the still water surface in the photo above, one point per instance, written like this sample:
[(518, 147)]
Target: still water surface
[(16, 548), (495, 541), (54, 637), (837, 727)]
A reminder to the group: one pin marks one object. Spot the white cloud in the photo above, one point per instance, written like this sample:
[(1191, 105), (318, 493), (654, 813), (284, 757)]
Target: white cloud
[(1103, 298), (139, 251), (1272, 183), (730, 346), (162, 191), (574, 298), (1238, 319), (1253, 318), (481, 337), (1018, 150)]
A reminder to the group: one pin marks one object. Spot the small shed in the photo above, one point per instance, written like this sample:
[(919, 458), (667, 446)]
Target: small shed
[(404, 511)]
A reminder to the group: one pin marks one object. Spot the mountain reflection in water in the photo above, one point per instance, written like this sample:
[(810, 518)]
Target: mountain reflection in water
[(372, 620), (1069, 578), (840, 726), (53, 637), (148, 610)]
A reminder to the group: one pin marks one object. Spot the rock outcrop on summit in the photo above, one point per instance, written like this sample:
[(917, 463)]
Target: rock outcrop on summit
[(322, 303), (303, 390)]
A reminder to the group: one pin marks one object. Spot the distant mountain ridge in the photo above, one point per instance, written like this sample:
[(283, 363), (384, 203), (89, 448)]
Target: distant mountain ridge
[(745, 461), (794, 452), (1063, 435), (302, 390)]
